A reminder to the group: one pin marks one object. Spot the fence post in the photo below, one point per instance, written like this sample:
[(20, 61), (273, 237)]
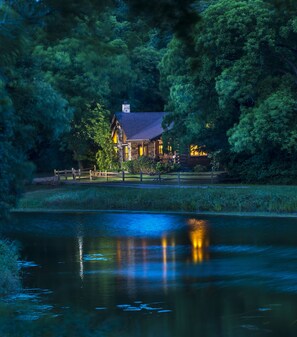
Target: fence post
[(123, 175), (65, 174), (57, 174), (141, 177), (90, 174), (106, 175), (159, 178), (94, 168), (79, 173), (73, 173)]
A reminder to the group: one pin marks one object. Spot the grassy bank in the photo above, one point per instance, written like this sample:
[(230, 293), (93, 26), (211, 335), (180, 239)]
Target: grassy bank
[(280, 199), (9, 271)]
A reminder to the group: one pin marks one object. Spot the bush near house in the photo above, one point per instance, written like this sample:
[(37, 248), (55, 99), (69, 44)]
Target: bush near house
[(148, 166), (167, 167), (200, 168), (142, 164)]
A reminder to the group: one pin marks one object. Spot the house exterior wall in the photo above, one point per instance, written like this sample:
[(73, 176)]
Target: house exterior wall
[(134, 150), (149, 149)]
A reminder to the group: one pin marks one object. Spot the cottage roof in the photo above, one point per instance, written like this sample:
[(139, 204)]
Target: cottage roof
[(141, 125)]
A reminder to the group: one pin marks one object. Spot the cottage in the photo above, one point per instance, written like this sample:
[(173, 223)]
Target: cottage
[(137, 134)]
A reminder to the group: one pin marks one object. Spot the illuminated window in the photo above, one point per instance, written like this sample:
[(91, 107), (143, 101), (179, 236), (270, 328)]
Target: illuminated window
[(142, 150), (145, 150), (197, 151), (126, 153), (115, 138), (160, 148)]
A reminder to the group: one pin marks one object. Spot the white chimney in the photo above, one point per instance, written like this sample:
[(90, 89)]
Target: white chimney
[(126, 108)]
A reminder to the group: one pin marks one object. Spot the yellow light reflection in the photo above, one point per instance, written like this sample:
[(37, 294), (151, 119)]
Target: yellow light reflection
[(164, 251), (119, 252), (199, 237), (164, 246)]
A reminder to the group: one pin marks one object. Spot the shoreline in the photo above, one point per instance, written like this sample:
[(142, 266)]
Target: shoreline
[(202, 213)]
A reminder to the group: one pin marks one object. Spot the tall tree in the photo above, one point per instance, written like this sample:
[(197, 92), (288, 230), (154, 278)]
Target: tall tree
[(32, 113), (103, 59), (233, 86)]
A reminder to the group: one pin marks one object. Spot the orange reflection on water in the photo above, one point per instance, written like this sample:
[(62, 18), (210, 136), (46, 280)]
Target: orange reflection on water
[(164, 252), (199, 236)]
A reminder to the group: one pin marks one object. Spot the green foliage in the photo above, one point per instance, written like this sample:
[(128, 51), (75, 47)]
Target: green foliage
[(97, 126), (149, 166), (56, 59), (9, 270), (102, 58), (271, 124), (13, 165), (142, 164), (178, 15), (200, 168), (236, 92), (166, 167)]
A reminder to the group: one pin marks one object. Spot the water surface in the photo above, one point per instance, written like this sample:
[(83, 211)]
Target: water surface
[(96, 274)]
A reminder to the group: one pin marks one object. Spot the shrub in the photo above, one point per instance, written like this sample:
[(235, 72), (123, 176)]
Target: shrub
[(130, 166), (149, 166), (9, 270), (200, 168), (167, 167), (142, 164)]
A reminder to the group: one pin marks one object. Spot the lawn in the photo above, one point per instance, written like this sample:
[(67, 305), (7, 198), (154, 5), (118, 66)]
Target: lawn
[(214, 198)]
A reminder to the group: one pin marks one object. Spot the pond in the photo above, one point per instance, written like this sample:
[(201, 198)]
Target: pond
[(119, 274)]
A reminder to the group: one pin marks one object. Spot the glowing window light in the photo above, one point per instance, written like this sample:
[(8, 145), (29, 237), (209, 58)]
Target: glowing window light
[(140, 150), (126, 153), (197, 151), (115, 138), (160, 148)]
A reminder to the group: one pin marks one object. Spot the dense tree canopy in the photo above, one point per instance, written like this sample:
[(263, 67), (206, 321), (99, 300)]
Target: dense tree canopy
[(237, 92)]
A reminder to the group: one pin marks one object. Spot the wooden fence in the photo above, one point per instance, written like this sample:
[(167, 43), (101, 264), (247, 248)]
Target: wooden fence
[(174, 177), (122, 176), (73, 173)]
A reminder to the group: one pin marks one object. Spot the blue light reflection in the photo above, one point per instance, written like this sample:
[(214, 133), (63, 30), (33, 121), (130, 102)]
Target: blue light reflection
[(142, 225)]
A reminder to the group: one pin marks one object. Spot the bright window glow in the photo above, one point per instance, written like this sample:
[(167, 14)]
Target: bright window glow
[(197, 151), (126, 153), (160, 148), (140, 150), (115, 138)]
